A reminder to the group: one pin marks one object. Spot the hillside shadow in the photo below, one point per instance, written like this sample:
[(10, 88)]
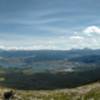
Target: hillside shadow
[(49, 81)]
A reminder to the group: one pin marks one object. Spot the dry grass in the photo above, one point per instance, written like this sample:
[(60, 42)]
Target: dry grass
[(87, 92)]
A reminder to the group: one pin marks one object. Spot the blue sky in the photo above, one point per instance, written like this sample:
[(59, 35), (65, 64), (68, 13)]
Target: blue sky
[(49, 24)]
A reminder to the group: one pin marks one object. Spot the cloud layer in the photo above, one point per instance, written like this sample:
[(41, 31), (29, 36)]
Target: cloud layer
[(88, 37)]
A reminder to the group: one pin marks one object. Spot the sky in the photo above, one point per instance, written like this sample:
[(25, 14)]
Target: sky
[(49, 24)]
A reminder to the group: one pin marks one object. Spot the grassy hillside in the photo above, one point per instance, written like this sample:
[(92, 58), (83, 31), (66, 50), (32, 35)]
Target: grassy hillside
[(86, 92), (29, 87)]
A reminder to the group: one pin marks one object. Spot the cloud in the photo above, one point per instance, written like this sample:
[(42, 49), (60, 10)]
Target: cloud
[(92, 29), (37, 44), (77, 37), (86, 38)]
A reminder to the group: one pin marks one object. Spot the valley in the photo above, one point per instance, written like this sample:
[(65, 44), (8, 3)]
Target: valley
[(52, 74)]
